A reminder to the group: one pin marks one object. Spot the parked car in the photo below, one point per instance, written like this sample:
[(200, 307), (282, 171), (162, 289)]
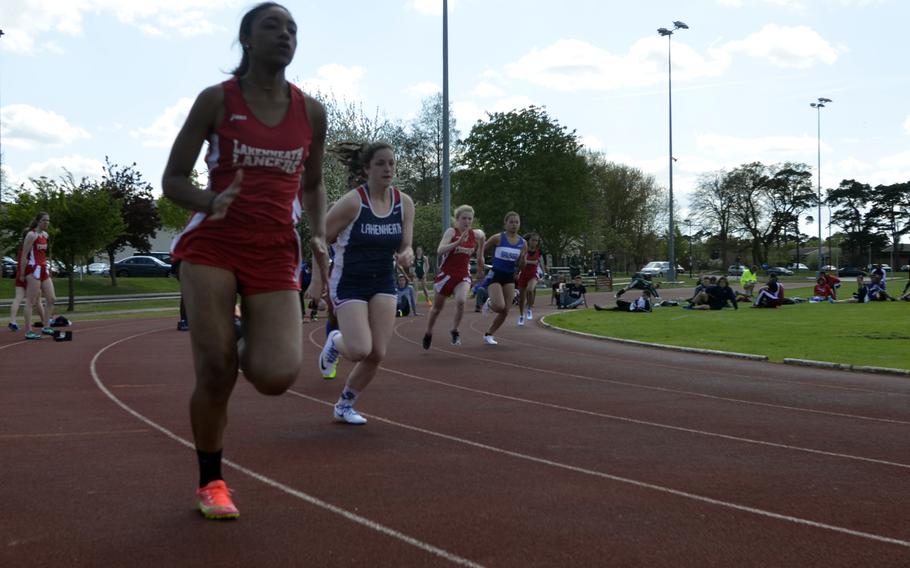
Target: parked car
[(659, 268), (98, 269), (735, 270), (779, 271), (905, 268), (164, 257), (9, 267), (57, 269), (829, 268), (850, 271), (797, 266), (141, 265)]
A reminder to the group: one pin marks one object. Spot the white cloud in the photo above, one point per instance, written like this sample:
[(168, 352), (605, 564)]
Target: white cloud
[(55, 168), (423, 89), (338, 80), (468, 112), (29, 127), (487, 90), (164, 129), (430, 7), (797, 47), (25, 21), (592, 143), (762, 148)]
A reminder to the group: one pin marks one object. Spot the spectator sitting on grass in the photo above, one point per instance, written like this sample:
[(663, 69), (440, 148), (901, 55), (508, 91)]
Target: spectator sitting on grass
[(875, 291), (833, 282), (572, 295), (558, 286), (717, 297), (702, 285), (748, 280), (642, 304), (860, 295), (641, 282), (822, 292), (771, 294), (407, 299)]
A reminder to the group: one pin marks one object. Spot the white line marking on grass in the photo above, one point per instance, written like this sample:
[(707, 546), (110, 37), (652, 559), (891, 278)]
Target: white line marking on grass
[(370, 524), (628, 481)]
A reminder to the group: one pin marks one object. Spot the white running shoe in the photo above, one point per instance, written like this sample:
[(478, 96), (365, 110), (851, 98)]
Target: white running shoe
[(521, 321), (490, 340), (346, 413), (328, 358), (530, 315)]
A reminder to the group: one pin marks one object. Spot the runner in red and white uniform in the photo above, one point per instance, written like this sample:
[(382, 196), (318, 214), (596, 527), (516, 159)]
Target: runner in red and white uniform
[(528, 277), (454, 275), (21, 286), (266, 141), (33, 270)]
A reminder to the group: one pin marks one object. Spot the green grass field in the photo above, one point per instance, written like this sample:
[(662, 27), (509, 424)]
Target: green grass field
[(857, 334), (101, 286)]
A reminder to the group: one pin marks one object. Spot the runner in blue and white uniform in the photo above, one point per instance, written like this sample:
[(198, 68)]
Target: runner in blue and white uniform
[(509, 251), (370, 229)]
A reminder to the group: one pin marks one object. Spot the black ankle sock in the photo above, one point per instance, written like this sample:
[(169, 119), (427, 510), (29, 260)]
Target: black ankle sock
[(209, 466)]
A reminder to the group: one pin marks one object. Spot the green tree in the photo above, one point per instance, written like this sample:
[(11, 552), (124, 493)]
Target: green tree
[(711, 206), (84, 218), (525, 161), (850, 201), (621, 212), (140, 216), (891, 211)]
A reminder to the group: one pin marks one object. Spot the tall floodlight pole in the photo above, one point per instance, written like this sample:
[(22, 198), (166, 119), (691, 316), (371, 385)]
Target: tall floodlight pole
[(818, 107), (670, 241), (446, 178), (2, 179)]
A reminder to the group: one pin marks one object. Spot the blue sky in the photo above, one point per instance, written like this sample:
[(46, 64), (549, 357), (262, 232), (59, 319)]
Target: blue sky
[(81, 79)]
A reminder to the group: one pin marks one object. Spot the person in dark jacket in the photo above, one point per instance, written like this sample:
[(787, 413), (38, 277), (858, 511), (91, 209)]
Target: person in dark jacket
[(719, 296)]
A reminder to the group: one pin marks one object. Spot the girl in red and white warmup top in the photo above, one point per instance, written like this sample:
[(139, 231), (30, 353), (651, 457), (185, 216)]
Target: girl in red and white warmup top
[(454, 276), (33, 270), (21, 286), (528, 277), (266, 142)]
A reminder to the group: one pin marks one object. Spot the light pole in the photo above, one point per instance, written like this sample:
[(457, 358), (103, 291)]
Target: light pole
[(446, 179), (677, 25), (818, 107)]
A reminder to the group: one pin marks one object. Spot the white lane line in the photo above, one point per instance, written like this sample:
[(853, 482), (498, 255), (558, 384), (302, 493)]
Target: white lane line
[(652, 424), (626, 480), (663, 389), (751, 378), (373, 525)]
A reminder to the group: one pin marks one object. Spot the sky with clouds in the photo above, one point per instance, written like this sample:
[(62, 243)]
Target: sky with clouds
[(85, 79)]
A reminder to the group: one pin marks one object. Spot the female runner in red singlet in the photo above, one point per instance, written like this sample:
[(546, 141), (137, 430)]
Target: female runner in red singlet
[(266, 141), (454, 276), (528, 277), (33, 270)]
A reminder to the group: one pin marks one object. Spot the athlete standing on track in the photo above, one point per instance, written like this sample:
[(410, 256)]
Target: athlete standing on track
[(266, 144), (370, 229), (21, 287), (454, 277), (509, 251), (527, 279), (33, 270), (421, 266)]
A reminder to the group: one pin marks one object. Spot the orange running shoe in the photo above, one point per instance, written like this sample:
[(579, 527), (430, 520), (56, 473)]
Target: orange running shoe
[(214, 501)]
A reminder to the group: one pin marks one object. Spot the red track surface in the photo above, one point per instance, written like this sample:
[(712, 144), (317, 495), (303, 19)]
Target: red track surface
[(547, 450)]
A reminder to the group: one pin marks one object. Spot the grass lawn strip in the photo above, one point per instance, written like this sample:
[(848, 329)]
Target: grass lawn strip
[(868, 335)]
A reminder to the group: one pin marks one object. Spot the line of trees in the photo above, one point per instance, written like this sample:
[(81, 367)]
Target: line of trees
[(763, 205)]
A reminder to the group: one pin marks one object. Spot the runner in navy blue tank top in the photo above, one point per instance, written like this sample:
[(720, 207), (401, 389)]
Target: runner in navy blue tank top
[(509, 251), (370, 230)]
